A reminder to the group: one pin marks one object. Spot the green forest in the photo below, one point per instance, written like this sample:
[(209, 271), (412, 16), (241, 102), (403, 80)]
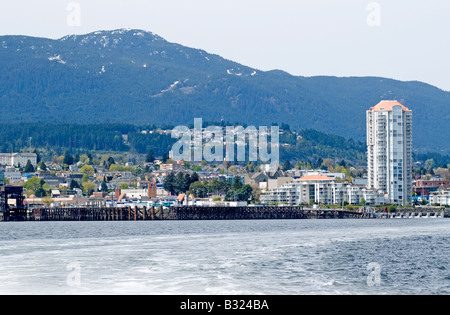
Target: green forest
[(56, 139)]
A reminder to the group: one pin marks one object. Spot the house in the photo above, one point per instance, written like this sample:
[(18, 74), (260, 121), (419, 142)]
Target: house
[(426, 187), (52, 180), (175, 167), (13, 175), (255, 178), (56, 193), (135, 193), (441, 196), (277, 182), (151, 191)]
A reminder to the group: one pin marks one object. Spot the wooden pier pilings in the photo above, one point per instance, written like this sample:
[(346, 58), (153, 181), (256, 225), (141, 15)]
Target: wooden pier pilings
[(184, 213), (255, 213), (92, 214)]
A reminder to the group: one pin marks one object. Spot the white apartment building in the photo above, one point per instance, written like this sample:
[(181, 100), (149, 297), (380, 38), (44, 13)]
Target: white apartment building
[(18, 159), (389, 146), (321, 189), (5, 159), (441, 197), (172, 167), (135, 193), (13, 175)]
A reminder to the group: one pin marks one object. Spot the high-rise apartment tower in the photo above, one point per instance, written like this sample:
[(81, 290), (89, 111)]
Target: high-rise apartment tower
[(389, 142)]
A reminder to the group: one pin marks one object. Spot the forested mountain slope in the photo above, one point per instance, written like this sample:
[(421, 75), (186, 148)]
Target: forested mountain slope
[(136, 77)]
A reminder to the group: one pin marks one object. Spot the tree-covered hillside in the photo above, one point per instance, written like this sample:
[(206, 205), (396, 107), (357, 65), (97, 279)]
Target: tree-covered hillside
[(57, 139)]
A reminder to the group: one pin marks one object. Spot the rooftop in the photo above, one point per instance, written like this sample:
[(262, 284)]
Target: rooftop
[(388, 105)]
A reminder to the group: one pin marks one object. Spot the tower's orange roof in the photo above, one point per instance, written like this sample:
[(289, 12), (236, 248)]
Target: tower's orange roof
[(388, 105)]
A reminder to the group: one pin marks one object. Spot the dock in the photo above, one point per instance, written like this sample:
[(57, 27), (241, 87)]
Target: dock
[(178, 214), (12, 208)]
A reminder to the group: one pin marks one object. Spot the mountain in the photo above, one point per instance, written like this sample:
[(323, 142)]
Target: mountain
[(137, 77)]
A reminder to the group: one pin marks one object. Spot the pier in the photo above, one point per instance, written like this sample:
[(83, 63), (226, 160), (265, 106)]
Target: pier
[(256, 213), (12, 208), (192, 213), (178, 214), (96, 214)]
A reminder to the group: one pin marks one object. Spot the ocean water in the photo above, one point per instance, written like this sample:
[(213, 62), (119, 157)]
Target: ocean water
[(294, 257)]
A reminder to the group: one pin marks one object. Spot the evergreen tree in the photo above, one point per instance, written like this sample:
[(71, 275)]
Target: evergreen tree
[(150, 158), (90, 158), (245, 193), (38, 157), (40, 192), (194, 178), (319, 162), (29, 168), (181, 183), (285, 127), (169, 183), (199, 189), (237, 183), (42, 166), (74, 184), (104, 186), (287, 165), (68, 159), (239, 191)]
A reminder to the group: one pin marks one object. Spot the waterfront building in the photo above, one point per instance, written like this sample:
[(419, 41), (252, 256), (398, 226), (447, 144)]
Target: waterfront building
[(441, 196), (424, 188), (322, 189), (389, 143)]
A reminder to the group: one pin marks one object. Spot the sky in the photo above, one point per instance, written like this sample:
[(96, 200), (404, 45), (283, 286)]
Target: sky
[(406, 40)]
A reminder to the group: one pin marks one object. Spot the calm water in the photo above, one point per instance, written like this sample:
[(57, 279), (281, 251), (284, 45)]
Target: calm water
[(226, 257)]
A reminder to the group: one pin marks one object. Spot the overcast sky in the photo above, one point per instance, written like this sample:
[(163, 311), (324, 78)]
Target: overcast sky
[(400, 39)]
